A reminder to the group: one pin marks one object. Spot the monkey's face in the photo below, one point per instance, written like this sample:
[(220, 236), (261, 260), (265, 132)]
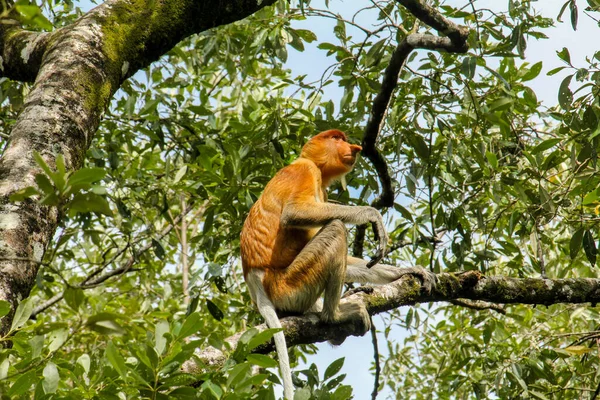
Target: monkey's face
[(331, 152)]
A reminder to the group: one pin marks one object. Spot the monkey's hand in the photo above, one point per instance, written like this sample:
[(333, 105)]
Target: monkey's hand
[(379, 229)]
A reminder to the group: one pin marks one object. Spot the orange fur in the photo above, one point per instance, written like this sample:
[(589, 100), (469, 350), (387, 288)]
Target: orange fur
[(265, 242)]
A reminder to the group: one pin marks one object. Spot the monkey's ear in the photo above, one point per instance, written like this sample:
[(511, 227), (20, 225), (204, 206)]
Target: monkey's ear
[(343, 182)]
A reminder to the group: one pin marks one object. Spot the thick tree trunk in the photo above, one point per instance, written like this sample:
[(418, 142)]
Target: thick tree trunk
[(76, 70)]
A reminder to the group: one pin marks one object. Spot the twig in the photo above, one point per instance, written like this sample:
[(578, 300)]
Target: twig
[(479, 305), (185, 268), (94, 279), (376, 360)]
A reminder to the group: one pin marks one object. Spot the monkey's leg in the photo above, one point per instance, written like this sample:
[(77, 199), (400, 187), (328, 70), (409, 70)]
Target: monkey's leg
[(357, 271), (320, 267)]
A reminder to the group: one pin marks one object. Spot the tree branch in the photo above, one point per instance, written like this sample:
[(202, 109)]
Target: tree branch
[(406, 291), (21, 51), (455, 42)]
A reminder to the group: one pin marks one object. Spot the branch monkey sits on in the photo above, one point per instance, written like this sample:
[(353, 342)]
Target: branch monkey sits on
[(294, 249)]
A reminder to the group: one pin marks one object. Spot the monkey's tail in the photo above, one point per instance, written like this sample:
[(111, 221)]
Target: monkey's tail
[(270, 316)]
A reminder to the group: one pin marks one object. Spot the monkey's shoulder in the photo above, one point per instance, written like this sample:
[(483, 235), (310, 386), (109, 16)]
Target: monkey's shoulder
[(301, 172)]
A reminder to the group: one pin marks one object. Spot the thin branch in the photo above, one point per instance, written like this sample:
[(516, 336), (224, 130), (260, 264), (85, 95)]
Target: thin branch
[(432, 17), (455, 42), (479, 305), (94, 278), (185, 268), (376, 360)]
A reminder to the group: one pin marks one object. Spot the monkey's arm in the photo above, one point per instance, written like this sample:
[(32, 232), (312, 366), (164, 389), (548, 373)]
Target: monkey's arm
[(309, 213), (306, 212), (357, 271)]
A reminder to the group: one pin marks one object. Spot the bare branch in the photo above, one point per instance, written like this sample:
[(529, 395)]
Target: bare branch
[(479, 305), (432, 17), (21, 51)]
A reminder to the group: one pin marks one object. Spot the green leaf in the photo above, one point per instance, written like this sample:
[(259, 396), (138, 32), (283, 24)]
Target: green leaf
[(180, 174), (214, 310), (574, 14), (115, 359), (22, 384), (564, 55), (533, 72), (492, 159), (85, 362), (89, 202), (334, 368), (208, 221), (589, 246), (374, 55), (159, 250), (420, 146), (105, 323), (192, 324), (22, 314), (86, 176), (57, 339), (44, 184), (468, 67), (575, 243), (210, 389), (262, 360), (51, 378), (545, 145), (343, 392), (306, 35), (405, 213), (303, 394), (591, 197), (160, 341), (24, 194), (74, 297), (261, 337), (565, 96), (4, 308), (501, 104), (555, 71), (32, 14)]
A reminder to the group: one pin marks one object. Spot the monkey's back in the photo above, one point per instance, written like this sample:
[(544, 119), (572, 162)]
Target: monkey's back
[(264, 243)]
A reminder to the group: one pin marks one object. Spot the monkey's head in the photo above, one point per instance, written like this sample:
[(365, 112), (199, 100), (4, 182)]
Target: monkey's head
[(332, 153)]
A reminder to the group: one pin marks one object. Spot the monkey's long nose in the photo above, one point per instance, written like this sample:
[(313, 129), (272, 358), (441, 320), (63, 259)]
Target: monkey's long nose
[(355, 148)]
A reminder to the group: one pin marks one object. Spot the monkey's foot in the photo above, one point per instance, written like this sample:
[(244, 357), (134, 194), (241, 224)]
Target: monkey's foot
[(428, 278), (356, 313)]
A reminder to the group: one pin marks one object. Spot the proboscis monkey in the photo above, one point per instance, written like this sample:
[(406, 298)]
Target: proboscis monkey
[(294, 247)]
